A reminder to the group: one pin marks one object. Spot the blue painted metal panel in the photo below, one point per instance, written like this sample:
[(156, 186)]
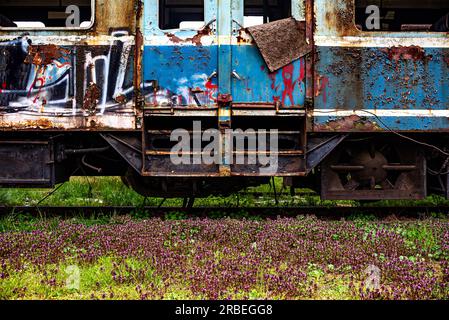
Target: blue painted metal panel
[(179, 70), (258, 85), (399, 88), (224, 24), (179, 61)]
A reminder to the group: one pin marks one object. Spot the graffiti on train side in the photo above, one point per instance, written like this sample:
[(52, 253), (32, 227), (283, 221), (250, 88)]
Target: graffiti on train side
[(183, 75), (196, 91), (49, 78)]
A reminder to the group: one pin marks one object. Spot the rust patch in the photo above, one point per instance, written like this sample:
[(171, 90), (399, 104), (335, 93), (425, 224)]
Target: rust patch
[(42, 123), (120, 99), (340, 17), (42, 55), (414, 53), (349, 123), (244, 37), (196, 39), (91, 98)]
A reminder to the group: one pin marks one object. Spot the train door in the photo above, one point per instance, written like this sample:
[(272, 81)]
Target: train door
[(204, 72), (263, 73), (180, 74), (269, 78)]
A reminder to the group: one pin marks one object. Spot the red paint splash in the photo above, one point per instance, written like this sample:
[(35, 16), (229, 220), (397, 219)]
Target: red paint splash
[(302, 73), (211, 89), (289, 84), (272, 76), (42, 83)]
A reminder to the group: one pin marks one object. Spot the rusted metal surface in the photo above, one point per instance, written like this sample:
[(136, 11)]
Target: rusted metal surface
[(281, 42), (27, 163), (196, 39), (395, 80), (348, 124), (41, 124), (138, 60), (42, 55), (414, 53), (335, 18), (91, 97), (77, 79)]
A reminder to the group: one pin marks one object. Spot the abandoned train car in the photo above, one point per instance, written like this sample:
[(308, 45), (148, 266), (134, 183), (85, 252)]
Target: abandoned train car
[(192, 98)]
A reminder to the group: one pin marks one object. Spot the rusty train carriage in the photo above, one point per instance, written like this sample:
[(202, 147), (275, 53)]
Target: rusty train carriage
[(360, 114)]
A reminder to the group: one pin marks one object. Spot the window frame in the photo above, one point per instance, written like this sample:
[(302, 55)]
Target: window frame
[(91, 25)]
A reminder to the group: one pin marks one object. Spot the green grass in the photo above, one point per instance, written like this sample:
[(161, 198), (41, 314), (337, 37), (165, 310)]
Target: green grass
[(110, 191), (95, 278), (95, 282), (55, 282)]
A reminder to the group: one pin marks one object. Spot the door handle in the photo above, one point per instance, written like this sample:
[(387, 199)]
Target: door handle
[(236, 75), (213, 75)]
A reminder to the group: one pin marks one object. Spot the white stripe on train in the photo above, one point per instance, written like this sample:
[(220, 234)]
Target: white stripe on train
[(381, 113)]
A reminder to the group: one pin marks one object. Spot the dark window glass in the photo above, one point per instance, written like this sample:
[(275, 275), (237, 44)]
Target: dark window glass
[(404, 15), (44, 13), (185, 14), (264, 11)]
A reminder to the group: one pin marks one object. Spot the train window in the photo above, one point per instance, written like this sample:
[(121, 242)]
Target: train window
[(181, 14), (402, 15), (41, 14), (263, 11)]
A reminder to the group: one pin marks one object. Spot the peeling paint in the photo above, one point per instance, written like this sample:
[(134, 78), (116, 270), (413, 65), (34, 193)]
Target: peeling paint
[(414, 53), (91, 98), (349, 123), (42, 124), (196, 39), (42, 55)]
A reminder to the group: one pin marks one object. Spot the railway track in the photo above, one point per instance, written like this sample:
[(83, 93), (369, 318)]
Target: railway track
[(396, 212)]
